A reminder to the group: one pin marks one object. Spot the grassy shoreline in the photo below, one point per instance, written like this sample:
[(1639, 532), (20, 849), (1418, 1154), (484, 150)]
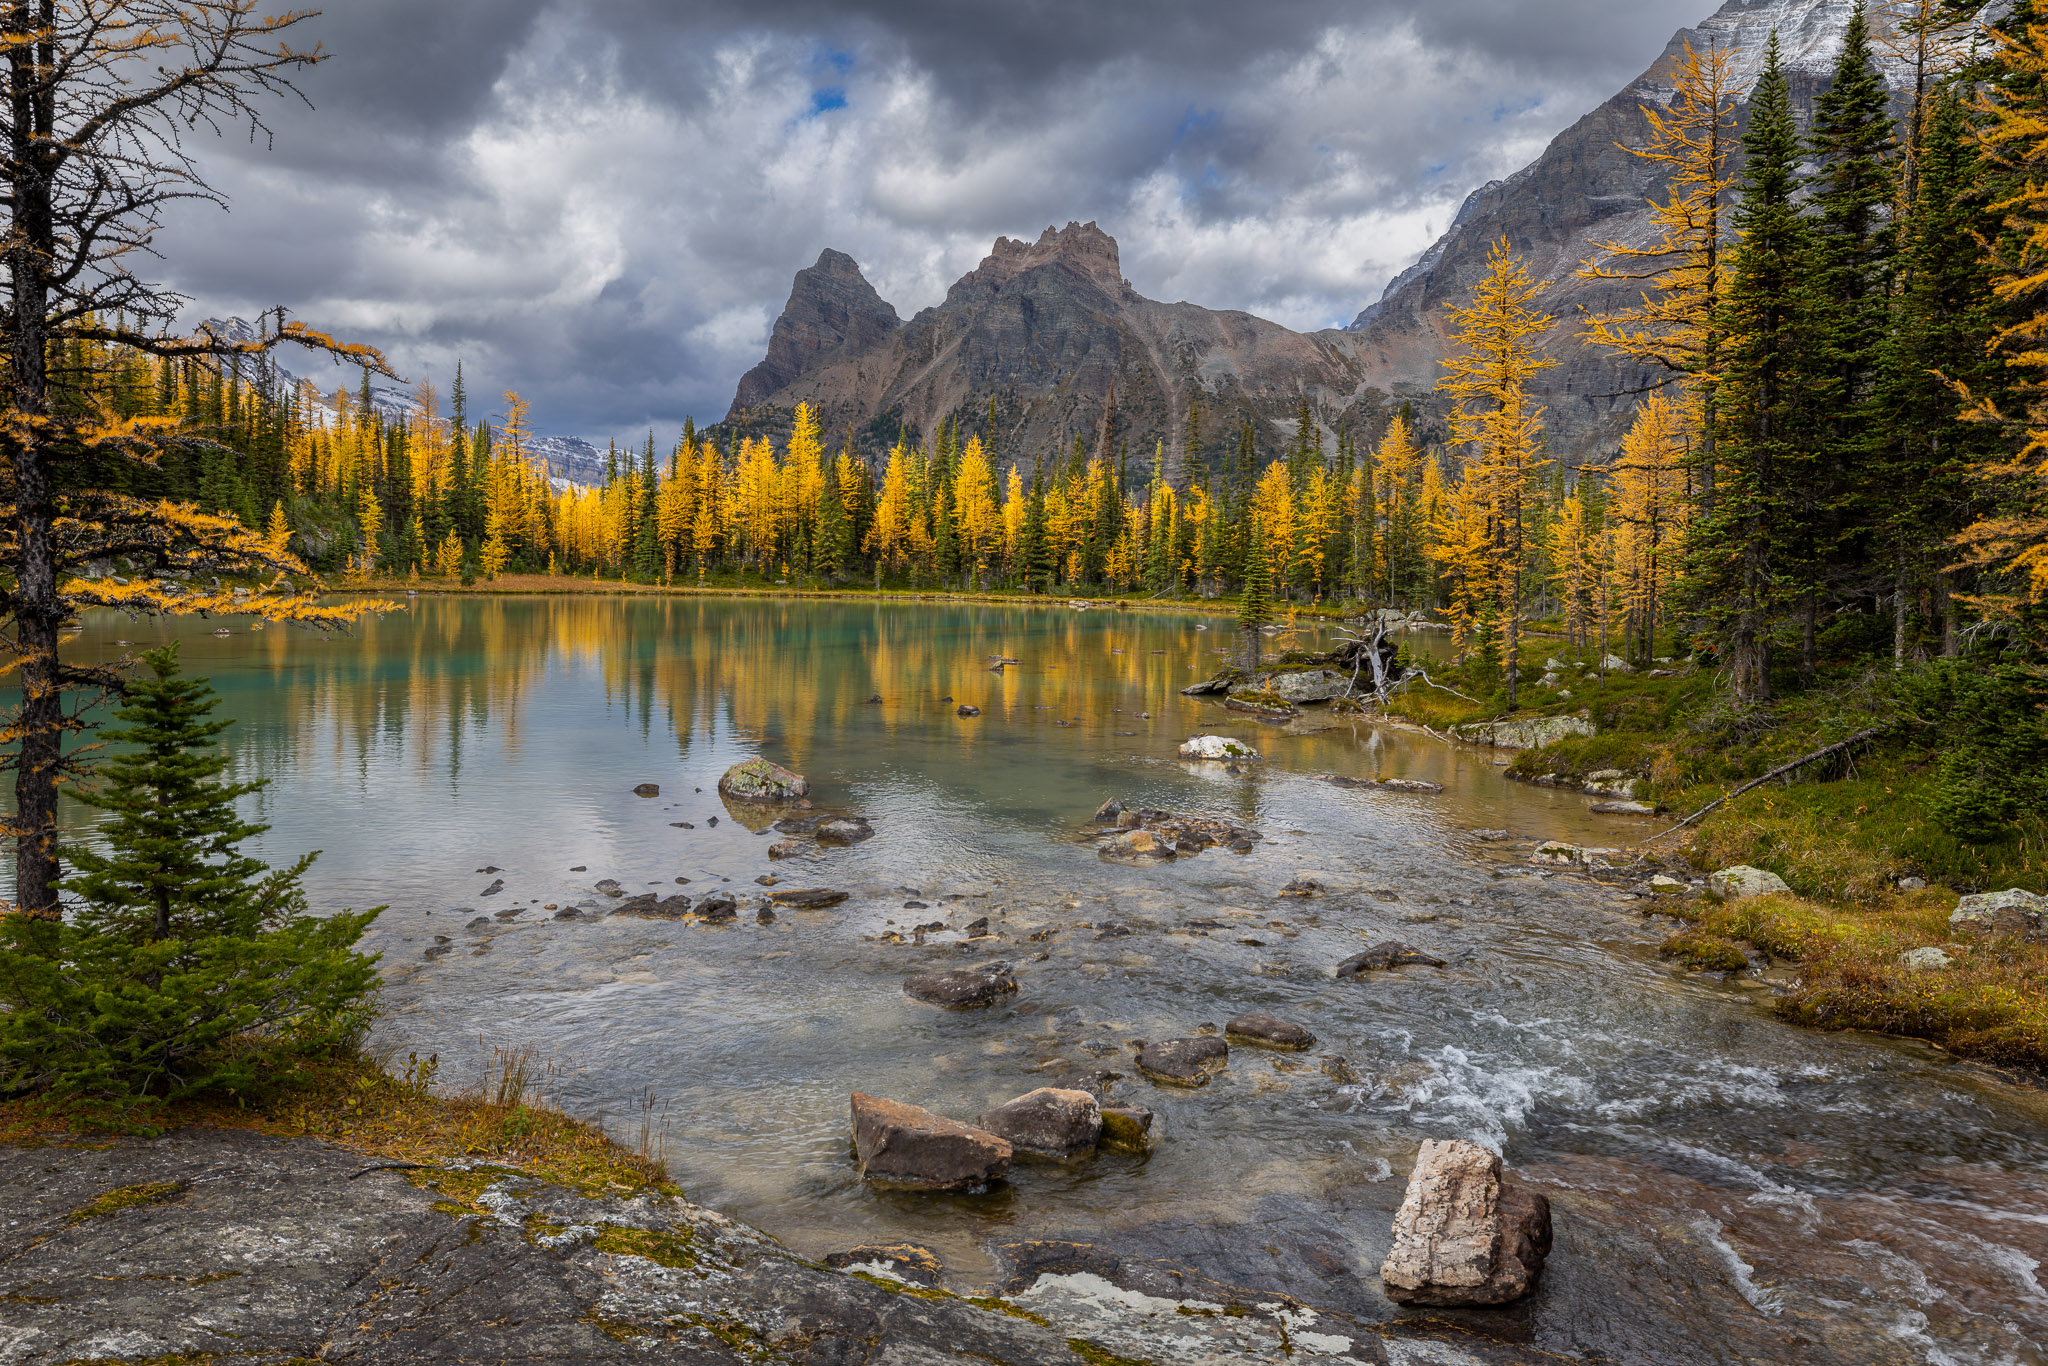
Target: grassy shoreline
[(1849, 840)]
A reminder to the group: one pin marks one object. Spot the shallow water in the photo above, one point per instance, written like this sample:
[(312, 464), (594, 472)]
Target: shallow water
[(1727, 1188)]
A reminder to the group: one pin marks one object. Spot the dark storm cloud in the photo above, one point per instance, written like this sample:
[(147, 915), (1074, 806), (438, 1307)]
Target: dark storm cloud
[(601, 202)]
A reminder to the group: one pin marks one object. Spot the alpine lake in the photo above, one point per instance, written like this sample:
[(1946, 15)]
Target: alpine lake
[(1726, 1188)]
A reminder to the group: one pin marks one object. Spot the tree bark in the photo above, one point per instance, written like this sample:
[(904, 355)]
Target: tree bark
[(36, 610)]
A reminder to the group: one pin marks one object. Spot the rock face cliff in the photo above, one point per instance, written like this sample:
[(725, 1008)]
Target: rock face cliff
[(1585, 189), (1053, 335)]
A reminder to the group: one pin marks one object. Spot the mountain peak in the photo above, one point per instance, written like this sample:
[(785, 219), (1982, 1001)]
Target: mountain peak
[(1084, 246), (831, 308)]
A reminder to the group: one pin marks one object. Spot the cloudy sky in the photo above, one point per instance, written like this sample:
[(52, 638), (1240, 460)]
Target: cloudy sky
[(600, 203)]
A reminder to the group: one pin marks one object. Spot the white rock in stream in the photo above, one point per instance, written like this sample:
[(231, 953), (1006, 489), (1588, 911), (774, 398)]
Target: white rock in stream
[(1217, 747)]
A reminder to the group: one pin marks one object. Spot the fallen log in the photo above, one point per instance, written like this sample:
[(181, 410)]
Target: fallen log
[(1778, 772)]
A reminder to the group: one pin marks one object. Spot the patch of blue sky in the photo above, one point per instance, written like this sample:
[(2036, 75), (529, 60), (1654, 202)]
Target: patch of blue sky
[(1195, 121), (827, 98)]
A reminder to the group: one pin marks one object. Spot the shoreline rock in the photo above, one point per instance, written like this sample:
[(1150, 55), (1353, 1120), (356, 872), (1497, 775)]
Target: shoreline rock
[(1743, 882), (2010, 914)]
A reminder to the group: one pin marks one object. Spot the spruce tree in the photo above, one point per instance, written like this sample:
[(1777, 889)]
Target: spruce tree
[(190, 965), (1942, 337), (1736, 570), (1255, 607), (1831, 495)]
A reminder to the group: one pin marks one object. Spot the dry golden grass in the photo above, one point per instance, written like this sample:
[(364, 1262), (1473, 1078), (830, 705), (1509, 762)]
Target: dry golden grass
[(354, 1104), (1990, 1003)]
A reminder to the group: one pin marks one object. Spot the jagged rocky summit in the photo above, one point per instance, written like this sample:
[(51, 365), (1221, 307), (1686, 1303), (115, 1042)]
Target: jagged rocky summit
[(1051, 332)]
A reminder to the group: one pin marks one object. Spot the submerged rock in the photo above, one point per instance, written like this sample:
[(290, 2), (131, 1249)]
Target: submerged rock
[(1048, 1122), (1742, 882), (967, 709), (807, 898), (1136, 846), (1463, 1236), (1559, 854), (844, 830), (758, 780), (647, 790), (1385, 956), (1184, 1062), (906, 1262), (718, 907), (2011, 914), (905, 1148), (1217, 747), (785, 849), (1303, 887), (649, 908), (963, 989), (1107, 813), (1266, 1031)]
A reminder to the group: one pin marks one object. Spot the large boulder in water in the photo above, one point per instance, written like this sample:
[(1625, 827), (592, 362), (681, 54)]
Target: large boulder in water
[(1463, 1235), (905, 1148), (1048, 1122), (757, 780)]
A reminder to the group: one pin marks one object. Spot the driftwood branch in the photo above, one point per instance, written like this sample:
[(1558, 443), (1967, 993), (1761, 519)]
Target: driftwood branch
[(1778, 772)]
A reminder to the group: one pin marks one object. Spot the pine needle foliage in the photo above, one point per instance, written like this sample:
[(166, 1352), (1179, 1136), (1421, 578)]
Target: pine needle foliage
[(187, 966)]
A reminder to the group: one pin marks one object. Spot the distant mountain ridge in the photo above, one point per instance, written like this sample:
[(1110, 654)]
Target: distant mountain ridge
[(1052, 336)]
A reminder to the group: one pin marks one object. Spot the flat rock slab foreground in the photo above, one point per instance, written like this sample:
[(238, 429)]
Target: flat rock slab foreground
[(263, 1250)]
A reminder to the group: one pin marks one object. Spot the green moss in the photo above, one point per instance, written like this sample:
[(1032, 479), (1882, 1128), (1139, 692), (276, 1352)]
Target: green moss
[(538, 1226), (991, 1303), (1705, 951), (125, 1197), (618, 1330), (461, 1191), (664, 1248), (1101, 1356), (1002, 1306)]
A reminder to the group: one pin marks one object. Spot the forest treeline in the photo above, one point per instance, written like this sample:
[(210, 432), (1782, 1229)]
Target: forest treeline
[(1840, 450)]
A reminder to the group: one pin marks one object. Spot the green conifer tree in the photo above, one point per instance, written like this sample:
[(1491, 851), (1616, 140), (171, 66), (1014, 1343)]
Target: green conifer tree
[(190, 965), (1736, 578), (1255, 606), (1831, 497)]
